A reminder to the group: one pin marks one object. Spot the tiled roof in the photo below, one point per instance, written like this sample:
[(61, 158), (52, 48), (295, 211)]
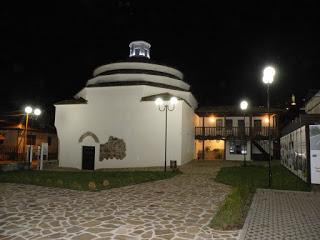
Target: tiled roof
[(230, 109)]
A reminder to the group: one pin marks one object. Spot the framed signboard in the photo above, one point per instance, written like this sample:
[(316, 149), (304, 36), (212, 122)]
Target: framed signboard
[(293, 152), (315, 153)]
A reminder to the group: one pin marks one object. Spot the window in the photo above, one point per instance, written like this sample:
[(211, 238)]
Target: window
[(241, 123), (237, 147), (219, 123), (257, 124), (241, 127), (229, 123), (49, 140), (31, 139), (229, 131), (136, 51)]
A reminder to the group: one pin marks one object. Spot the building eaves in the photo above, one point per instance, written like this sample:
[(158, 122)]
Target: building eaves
[(165, 96), (72, 101)]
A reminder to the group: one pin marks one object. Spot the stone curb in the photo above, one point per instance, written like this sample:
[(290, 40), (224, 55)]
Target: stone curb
[(248, 218)]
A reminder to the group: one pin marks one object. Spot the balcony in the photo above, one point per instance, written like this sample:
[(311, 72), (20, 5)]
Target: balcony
[(210, 133)]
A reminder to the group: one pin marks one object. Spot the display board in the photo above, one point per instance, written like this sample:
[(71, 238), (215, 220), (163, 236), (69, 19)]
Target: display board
[(293, 152), (315, 153)]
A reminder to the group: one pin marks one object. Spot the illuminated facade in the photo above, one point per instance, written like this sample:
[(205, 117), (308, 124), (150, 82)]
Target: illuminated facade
[(224, 133), (12, 141), (113, 121)]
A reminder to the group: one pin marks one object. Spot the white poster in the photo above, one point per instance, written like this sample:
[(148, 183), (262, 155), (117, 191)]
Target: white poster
[(315, 153), (293, 152), (44, 147)]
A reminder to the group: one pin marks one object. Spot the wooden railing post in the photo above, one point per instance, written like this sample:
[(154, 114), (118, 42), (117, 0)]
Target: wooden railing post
[(203, 133), (203, 137)]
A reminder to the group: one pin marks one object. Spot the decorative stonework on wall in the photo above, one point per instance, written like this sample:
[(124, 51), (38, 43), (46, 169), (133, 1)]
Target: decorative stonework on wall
[(89, 134), (114, 148)]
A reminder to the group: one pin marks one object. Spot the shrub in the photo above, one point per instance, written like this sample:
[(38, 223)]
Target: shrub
[(59, 183), (105, 183), (92, 186), (49, 182), (76, 185)]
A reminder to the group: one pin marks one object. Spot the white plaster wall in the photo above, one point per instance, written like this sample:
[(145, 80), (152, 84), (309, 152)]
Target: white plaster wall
[(236, 119), (264, 123), (187, 134), (196, 120), (68, 120), (209, 123), (197, 148), (255, 150), (265, 145), (238, 157), (118, 112)]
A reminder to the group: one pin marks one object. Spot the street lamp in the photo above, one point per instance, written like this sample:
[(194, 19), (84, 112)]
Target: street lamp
[(28, 110), (37, 112), (243, 106), (268, 75), (165, 107)]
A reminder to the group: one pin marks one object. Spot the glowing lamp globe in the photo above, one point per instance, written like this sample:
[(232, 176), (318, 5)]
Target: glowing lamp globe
[(37, 112), (266, 119), (173, 100), (268, 75), (158, 101), (28, 110), (244, 105)]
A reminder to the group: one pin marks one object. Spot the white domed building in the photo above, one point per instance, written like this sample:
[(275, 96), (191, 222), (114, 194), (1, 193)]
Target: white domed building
[(113, 122)]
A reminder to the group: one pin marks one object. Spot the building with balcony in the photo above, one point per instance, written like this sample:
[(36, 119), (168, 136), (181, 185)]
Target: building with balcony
[(223, 132)]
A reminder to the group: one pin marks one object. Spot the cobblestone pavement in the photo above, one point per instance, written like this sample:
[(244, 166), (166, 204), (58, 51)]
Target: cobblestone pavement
[(176, 208), (276, 214)]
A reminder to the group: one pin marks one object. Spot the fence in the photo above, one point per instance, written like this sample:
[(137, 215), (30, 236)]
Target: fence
[(12, 154)]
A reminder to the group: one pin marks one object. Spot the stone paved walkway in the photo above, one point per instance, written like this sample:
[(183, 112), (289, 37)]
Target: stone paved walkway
[(176, 208), (276, 214)]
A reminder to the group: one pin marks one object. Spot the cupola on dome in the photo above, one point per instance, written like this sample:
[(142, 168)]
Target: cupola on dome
[(138, 70), (139, 49)]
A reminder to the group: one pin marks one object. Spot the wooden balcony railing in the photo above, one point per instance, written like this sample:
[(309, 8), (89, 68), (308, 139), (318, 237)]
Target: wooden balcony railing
[(234, 132)]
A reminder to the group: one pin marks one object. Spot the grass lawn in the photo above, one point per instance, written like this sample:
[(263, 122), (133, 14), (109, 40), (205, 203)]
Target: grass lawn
[(245, 181), (84, 180)]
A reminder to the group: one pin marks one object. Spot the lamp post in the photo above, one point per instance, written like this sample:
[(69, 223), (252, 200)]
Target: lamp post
[(164, 108), (268, 75), (28, 110), (243, 106)]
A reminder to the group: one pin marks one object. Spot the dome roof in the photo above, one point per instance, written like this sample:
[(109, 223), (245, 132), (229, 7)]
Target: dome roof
[(138, 70)]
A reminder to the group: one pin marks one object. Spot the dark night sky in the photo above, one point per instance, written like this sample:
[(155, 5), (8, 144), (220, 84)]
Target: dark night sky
[(48, 50)]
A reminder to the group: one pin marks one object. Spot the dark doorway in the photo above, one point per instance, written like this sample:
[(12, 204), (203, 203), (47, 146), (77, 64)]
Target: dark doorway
[(229, 127), (241, 128), (88, 157), (257, 126)]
